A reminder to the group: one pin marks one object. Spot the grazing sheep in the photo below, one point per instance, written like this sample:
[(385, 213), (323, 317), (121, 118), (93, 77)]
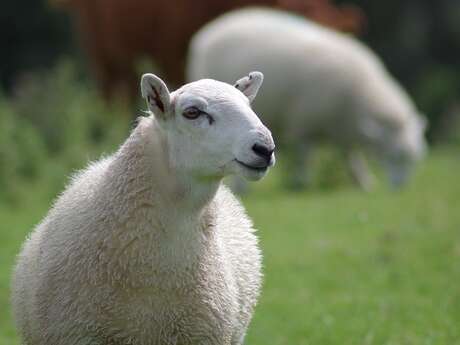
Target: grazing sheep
[(319, 83), (147, 247)]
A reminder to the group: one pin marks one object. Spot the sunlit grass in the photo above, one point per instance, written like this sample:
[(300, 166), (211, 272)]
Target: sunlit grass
[(341, 266)]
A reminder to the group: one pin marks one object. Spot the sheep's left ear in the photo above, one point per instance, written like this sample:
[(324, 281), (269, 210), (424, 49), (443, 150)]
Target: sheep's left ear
[(250, 84), (156, 93)]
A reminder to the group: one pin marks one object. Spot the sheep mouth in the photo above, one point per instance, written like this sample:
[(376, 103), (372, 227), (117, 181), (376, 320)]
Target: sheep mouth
[(253, 168)]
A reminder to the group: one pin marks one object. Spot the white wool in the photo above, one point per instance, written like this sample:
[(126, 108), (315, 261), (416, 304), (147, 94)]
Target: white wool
[(129, 254), (318, 82)]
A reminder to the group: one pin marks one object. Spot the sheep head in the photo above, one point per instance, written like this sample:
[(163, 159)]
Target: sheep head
[(210, 127), (399, 146)]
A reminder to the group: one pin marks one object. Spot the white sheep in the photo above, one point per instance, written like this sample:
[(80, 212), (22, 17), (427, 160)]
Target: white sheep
[(318, 83), (146, 247)]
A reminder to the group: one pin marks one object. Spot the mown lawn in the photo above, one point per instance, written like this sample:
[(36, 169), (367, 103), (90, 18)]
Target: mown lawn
[(341, 267)]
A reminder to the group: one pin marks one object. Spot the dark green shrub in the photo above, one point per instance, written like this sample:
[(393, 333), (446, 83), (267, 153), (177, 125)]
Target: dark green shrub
[(53, 124)]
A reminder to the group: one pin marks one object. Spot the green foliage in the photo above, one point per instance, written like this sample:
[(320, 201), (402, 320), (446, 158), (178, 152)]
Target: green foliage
[(53, 125), (22, 151)]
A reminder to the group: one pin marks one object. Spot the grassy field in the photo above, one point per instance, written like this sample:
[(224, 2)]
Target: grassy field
[(341, 267)]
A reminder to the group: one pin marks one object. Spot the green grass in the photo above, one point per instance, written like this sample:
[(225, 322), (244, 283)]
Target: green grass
[(341, 266)]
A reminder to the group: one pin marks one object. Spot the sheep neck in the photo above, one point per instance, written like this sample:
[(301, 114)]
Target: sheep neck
[(176, 196)]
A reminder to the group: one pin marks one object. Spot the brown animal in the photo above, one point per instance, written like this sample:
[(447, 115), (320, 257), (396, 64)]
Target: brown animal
[(117, 33)]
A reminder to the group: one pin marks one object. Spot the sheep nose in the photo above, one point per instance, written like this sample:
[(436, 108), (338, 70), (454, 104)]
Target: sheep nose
[(263, 151)]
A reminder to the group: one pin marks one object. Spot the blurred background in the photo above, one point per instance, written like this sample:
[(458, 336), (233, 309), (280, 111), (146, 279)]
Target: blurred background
[(342, 266)]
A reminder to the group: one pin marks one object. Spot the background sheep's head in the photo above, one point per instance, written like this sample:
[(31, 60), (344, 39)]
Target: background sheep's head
[(399, 146), (210, 127), (405, 147)]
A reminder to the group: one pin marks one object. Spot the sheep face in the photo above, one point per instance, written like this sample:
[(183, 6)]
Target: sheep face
[(405, 147), (397, 145), (210, 127)]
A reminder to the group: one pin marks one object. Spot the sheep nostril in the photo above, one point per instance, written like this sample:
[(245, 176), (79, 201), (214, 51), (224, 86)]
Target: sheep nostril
[(263, 151)]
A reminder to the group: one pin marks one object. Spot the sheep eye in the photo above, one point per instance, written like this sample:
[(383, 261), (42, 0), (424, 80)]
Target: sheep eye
[(191, 113)]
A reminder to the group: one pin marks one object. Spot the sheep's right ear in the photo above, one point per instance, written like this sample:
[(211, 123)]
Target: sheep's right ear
[(156, 93), (250, 84)]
